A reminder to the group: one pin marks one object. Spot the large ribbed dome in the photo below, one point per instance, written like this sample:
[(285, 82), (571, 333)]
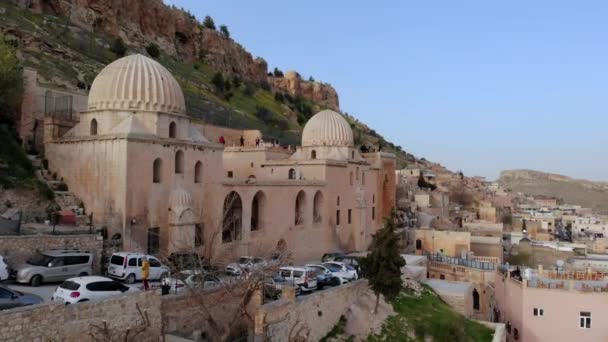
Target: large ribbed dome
[(136, 82), (327, 128)]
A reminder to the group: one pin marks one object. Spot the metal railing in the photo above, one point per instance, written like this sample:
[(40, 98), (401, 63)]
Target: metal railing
[(480, 265)]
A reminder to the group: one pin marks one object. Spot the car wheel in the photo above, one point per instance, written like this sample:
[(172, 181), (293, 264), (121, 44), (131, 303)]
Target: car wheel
[(335, 282), (36, 280), (83, 274), (130, 279)]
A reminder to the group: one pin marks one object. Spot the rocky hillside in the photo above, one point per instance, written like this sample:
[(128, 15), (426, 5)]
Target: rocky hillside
[(573, 191), (69, 41)]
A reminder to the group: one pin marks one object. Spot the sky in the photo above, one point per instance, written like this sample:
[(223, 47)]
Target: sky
[(478, 86)]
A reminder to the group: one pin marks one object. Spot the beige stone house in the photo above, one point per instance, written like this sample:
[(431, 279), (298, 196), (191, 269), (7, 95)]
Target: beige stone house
[(161, 181)]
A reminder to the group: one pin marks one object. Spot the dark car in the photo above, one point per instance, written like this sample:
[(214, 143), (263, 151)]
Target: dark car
[(12, 299), (331, 256), (324, 279)]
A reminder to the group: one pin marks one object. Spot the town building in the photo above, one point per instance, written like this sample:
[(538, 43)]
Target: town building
[(162, 182)]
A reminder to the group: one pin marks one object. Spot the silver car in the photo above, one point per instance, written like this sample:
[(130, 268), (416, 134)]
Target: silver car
[(54, 266)]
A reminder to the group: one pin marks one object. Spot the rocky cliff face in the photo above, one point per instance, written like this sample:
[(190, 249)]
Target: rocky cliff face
[(321, 93), (177, 33)]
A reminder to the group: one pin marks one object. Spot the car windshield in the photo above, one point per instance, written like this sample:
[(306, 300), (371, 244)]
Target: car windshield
[(70, 285), (350, 268), (40, 260), (117, 260), (333, 268)]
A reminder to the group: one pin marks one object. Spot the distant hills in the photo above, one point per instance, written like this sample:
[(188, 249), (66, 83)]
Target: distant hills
[(573, 191)]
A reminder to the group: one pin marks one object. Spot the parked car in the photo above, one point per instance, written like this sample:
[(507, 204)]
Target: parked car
[(83, 289), (4, 272), (12, 299), (274, 285), (330, 256), (304, 278), (352, 261), (245, 263), (126, 266), (192, 280), (54, 265), (342, 267), (331, 276)]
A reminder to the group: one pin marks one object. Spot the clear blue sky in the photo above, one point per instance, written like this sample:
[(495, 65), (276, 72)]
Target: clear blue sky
[(479, 86)]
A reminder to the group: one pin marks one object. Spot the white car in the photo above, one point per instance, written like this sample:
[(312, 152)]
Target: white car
[(84, 289), (245, 263), (126, 266), (336, 271), (4, 274), (192, 280), (342, 267), (304, 278)]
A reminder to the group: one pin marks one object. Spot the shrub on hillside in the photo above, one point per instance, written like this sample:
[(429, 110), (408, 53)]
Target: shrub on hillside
[(224, 30), (11, 78), (209, 23), (153, 50), (118, 47), (277, 72)]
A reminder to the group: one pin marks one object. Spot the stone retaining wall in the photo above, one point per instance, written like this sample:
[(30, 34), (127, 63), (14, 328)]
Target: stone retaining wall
[(73, 323), (18, 248)]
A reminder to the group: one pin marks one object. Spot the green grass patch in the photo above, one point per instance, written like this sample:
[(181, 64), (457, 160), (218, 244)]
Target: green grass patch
[(428, 316)]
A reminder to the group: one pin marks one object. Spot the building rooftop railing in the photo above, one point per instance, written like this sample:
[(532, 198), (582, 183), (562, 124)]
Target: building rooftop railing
[(480, 265)]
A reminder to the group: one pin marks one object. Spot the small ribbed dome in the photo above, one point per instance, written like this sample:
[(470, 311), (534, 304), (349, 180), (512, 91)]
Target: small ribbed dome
[(327, 128), (180, 199), (136, 82)]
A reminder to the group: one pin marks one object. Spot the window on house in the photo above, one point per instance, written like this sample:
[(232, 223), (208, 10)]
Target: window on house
[(442, 277), (291, 174), (475, 299), (338, 201), (539, 312), (300, 208), (357, 174), (585, 320), (157, 170), (373, 213), (337, 217), (198, 172), (418, 244), (172, 130), (179, 161), (313, 154), (94, 127), (363, 177), (350, 176), (349, 215), (352, 155), (230, 174)]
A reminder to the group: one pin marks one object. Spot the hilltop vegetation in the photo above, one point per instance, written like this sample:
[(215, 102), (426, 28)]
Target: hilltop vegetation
[(218, 84), (573, 191)]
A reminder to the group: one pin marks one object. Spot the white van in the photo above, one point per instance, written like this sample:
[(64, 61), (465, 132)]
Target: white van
[(127, 267), (304, 278)]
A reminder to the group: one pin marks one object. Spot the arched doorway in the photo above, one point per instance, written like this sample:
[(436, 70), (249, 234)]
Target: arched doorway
[(475, 299), (172, 130), (257, 211), (179, 161), (232, 217), (157, 170), (317, 207), (300, 208), (198, 172)]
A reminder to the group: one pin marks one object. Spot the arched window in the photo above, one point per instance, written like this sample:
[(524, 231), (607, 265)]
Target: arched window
[(475, 299), (179, 161), (352, 155), (94, 127), (418, 244), (257, 211), (300, 208), (363, 177), (313, 154), (172, 129), (338, 201), (232, 217), (350, 177), (198, 172), (317, 207), (291, 174), (357, 174), (157, 170)]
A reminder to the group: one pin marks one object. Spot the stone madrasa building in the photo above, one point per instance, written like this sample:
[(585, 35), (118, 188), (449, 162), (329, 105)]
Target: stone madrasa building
[(145, 169)]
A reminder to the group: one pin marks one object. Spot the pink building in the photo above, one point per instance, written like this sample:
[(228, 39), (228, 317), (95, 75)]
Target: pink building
[(549, 306)]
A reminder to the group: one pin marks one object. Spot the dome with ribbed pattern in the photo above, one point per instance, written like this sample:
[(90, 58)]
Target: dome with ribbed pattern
[(139, 83), (327, 128)]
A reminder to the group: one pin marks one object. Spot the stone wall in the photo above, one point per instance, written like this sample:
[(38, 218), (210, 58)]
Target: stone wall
[(73, 323), (17, 249), (310, 317)]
